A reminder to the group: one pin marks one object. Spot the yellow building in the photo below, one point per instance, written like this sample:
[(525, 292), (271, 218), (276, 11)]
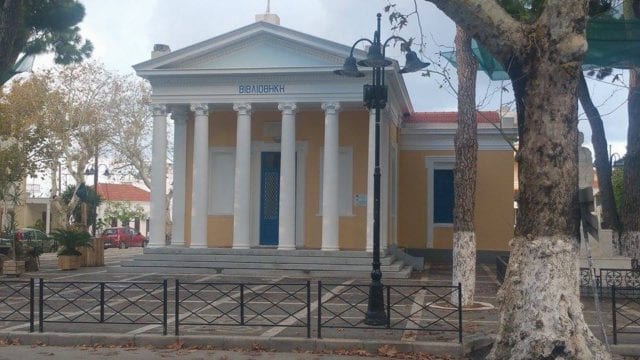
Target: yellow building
[(273, 150)]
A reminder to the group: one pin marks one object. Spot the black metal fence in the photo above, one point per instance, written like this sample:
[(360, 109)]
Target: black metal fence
[(607, 278), (625, 307), (344, 306), (206, 304)]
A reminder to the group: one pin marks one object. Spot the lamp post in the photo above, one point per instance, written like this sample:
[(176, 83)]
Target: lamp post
[(93, 170), (375, 97)]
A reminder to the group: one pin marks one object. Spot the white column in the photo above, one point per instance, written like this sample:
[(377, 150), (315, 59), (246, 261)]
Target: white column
[(158, 177), (47, 221), (178, 211), (199, 192), (371, 163), (330, 209), (287, 213), (242, 185)]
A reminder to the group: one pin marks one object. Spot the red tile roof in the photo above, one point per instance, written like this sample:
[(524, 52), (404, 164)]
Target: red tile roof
[(122, 192), (444, 117)]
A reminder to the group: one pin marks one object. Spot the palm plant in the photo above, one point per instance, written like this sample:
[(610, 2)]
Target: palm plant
[(70, 240)]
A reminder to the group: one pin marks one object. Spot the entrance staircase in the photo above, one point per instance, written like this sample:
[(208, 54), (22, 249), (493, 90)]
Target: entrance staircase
[(262, 262)]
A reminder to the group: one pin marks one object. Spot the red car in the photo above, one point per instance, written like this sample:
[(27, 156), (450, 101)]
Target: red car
[(122, 237)]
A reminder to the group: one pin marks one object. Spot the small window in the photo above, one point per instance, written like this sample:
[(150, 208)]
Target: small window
[(442, 196)]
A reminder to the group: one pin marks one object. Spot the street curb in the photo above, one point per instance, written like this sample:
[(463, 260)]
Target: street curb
[(278, 344)]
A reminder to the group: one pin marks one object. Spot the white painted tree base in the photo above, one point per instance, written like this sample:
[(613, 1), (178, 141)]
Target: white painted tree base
[(464, 266), (540, 310)]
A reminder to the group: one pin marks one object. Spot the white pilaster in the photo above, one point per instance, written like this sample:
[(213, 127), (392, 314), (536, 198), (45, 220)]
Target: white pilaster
[(242, 185), (287, 212), (371, 161), (158, 177), (330, 209), (179, 116), (199, 192), (47, 222)]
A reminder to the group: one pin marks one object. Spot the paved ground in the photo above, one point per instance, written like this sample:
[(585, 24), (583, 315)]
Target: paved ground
[(206, 303)]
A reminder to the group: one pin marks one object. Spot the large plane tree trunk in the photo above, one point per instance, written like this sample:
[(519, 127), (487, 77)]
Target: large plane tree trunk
[(540, 311), (630, 213), (465, 172)]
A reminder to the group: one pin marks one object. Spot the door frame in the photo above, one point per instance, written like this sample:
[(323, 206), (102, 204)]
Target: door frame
[(257, 148)]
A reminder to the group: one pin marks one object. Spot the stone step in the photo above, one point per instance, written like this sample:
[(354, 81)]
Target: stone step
[(404, 273), (260, 251), (396, 266), (289, 259)]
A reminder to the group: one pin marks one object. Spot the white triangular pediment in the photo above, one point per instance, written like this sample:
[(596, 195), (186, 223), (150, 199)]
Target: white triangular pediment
[(257, 46), (262, 51)]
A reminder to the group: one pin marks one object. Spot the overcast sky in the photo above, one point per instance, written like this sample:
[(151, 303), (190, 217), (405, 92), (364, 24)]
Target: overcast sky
[(123, 33)]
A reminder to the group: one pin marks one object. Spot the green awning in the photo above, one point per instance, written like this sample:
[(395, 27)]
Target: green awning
[(612, 43)]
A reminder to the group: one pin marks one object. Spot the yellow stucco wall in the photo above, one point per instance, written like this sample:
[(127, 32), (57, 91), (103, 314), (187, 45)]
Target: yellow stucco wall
[(494, 201)]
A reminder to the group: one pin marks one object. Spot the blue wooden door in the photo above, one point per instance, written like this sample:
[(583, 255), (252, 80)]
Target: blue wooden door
[(269, 198)]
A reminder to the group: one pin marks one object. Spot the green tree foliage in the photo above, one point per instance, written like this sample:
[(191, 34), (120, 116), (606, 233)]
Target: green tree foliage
[(124, 211), (38, 26), (91, 198), (617, 178)]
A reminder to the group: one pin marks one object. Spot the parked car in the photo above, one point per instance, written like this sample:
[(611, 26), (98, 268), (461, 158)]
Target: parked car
[(122, 237), (30, 237)]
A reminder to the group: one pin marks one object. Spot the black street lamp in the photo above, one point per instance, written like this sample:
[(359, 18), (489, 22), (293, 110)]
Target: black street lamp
[(375, 97)]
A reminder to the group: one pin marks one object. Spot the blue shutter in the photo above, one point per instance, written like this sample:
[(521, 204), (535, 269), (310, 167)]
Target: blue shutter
[(443, 196)]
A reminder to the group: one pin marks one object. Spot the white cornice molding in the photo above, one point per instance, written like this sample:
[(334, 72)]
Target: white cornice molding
[(442, 139)]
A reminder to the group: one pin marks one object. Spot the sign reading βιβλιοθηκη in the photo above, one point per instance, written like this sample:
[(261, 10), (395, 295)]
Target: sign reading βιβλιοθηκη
[(251, 89)]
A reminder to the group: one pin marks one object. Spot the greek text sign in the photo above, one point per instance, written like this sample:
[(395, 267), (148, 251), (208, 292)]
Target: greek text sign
[(253, 89)]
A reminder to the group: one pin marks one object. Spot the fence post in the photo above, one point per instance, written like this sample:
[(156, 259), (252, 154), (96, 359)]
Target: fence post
[(613, 311), (32, 301), (319, 309), (388, 306), (308, 309), (177, 310), (101, 302), (460, 313), (241, 304), (41, 307), (164, 306)]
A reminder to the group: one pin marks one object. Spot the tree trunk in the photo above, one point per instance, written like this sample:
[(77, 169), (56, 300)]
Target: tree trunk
[(610, 219), (630, 213), (541, 313), (12, 33), (465, 172)]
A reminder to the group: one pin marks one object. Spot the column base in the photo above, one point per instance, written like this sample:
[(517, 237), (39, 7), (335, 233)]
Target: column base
[(330, 248), (287, 247), (198, 246), (241, 247), (155, 246)]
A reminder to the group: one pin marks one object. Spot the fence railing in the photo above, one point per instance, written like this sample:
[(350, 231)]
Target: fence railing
[(139, 303), (206, 304), (625, 307), (243, 304), (16, 301), (345, 306)]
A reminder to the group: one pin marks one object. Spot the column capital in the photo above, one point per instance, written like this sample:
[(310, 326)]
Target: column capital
[(200, 109), (243, 108), (179, 113), (331, 107), (159, 109), (287, 107)]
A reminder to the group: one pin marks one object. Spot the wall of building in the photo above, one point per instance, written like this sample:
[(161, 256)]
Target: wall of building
[(494, 215)]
